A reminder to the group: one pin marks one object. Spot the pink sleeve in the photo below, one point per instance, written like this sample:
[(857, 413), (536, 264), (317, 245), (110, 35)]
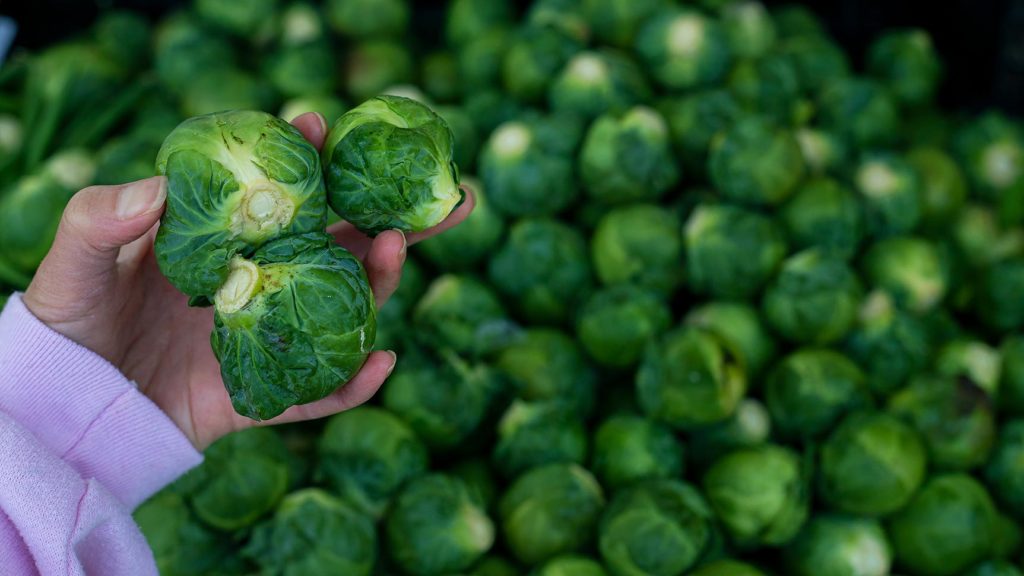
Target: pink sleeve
[(80, 448)]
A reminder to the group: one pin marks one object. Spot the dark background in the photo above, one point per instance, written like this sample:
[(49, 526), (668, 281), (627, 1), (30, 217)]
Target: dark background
[(981, 41)]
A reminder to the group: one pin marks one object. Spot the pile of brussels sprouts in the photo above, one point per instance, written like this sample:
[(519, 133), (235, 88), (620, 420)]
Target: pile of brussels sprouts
[(727, 306)]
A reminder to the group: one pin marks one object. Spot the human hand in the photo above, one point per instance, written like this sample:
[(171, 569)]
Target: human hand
[(100, 286)]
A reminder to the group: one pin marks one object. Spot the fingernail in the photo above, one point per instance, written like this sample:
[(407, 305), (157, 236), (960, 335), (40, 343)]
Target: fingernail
[(141, 197), (394, 361), (323, 122), (405, 244)]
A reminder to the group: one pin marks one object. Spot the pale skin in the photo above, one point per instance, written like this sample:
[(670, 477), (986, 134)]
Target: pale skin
[(100, 287)]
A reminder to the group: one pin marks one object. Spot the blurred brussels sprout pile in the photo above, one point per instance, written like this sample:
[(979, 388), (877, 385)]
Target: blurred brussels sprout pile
[(733, 301)]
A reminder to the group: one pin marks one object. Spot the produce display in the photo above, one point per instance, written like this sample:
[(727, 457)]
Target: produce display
[(728, 304)]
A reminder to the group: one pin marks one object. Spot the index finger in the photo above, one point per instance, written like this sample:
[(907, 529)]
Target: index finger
[(313, 126)]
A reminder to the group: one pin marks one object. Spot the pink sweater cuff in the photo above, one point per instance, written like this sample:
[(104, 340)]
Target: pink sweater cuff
[(83, 409)]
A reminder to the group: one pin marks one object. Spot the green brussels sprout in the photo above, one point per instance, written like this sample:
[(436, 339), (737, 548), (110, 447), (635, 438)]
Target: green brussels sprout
[(910, 269), (439, 76), (811, 389), (814, 299), (184, 48), (640, 245), (997, 301), (796, 20), (462, 314), (981, 240), (953, 415), (369, 18), (991, 148), (693, 121), (534, 56), (545, 365), (750, 425), (1004, 470), (824, 214), (480, 61), (124, 37), (543, 268), (434, 527), (759, 494), (823, 151), (303, 64), (689, 378), (683, 49), (170, 529), (890, 191), (479, 480), (617, 22), (225, 90), (330, 107), (366, 455), (628, 157), (661, 527), (740, 327), (374, 65), (871, 464), (549, 511), (906, 62), (949, 526), (731, 252), (973, 360), (994, 568), (30, 212), (598, 82), (248, 23), (314, 533), (1010, 397), (388, 164), (749, 28), (888, 343), (727, 567), (839, 546), (570, 566), (615, 325), (859, 110), (943, 189), (469, 20), (444, 400), (532, 434), (125, 159), (754, 162), (818, 60), (472, 241), (629, 449), (527, 165), (768, 86)]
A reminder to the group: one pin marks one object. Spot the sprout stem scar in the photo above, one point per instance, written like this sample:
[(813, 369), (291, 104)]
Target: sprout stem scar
[(242, 283)]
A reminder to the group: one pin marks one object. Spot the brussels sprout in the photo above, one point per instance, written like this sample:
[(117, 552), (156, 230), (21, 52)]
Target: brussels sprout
[(628, 449), (754, 162), (814, 299), (998, 302), (368, 18), (954, 416), (888, 343), (980, 240), (973, 360), (749, 28), (527, 165), (469, 20), (693, 121), (689, 379), (617, 22), (860, 111), (749, 425), (759, 494), (616, 324), (819, 61), (811, 389), (439, 76), (730, 252), (570, 566), (768, 86), (839, 546), (1011, 384), (740, 327), (434, 527), (627, 158), (543, 267), (823, 151), (248, 23), (184, 48), (225, 90), (314, 533), (991, 148), (366, 455), (943, 189), (595, 83), (461, 314), (329, 107), (124, 37), (639, 245), (30, 212), (301, 66), (871, 465), (480, 60), (534, 56), (531, 435), (949, 526), (661, 527), (388, 164), (906, 62), (444, 400), (890, 191), (910, 269), (824, 214), (374, 65), (549, 511), (1006, 468), (994, 568), (727, 568), (683, 49), (545, 365), (170, 529)]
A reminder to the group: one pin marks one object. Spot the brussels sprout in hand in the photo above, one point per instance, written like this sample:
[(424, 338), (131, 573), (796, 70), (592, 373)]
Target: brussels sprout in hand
[(389, 166)]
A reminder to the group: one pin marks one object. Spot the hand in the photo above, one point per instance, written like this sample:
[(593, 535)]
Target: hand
[(100, 286)]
